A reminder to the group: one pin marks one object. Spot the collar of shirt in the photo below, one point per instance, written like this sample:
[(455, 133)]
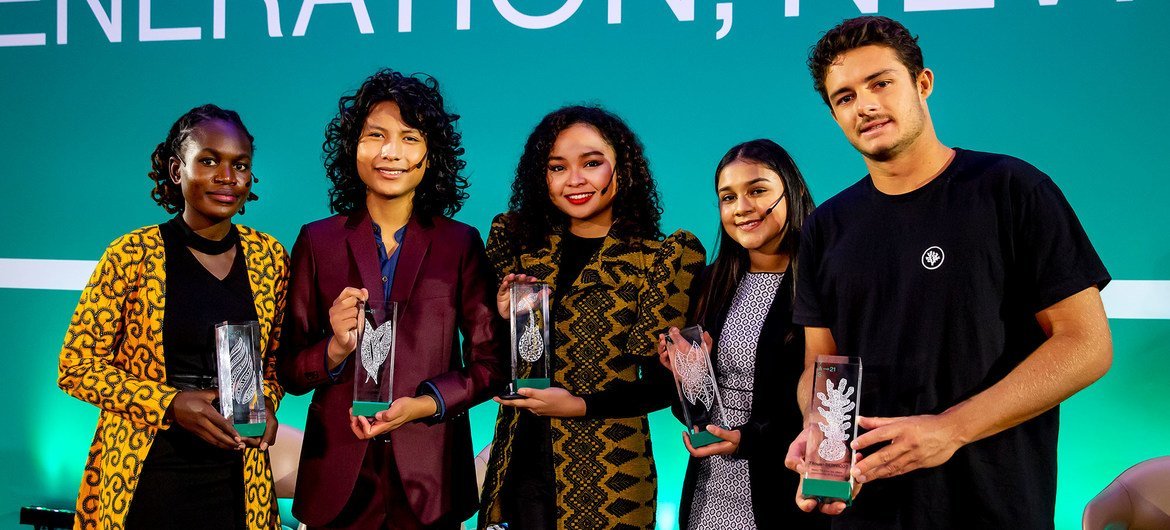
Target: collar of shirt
[(388, 261)]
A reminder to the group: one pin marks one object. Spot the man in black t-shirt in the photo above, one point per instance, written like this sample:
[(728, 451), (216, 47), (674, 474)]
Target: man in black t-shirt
[(967, 286)]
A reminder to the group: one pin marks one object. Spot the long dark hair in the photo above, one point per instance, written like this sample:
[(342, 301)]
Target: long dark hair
[(636, 208), (441, 191), (166, 192), (731, 262)]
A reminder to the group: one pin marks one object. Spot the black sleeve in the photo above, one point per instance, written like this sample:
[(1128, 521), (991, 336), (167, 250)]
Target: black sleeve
[(807, 309), (1056, 258), (652, 391)]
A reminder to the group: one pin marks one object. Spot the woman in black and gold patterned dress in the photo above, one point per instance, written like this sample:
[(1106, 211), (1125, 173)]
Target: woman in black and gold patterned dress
[(141, 345), (584, 218)]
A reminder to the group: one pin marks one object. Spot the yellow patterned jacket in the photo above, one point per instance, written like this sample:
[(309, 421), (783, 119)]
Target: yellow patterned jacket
[(112, 357), (606, 326)]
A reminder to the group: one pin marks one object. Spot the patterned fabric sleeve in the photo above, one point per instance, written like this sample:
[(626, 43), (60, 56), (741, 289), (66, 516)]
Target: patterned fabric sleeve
[(500, 251), (666, 295), (87, 368)]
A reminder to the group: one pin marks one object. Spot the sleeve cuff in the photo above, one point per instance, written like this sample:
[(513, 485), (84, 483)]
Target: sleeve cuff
[(429, 388)]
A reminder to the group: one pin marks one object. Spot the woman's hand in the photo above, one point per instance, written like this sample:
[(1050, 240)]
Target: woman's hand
[(402, 411), (343, 318), (553, 402), (727, 447), (268, 439), (504, 296), (192, 410), (672, 341)]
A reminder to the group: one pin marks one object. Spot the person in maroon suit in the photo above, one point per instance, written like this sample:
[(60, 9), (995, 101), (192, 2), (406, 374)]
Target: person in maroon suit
[(392, 154)]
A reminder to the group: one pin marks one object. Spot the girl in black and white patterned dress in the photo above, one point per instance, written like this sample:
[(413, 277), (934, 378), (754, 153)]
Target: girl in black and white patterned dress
[(746, 306)]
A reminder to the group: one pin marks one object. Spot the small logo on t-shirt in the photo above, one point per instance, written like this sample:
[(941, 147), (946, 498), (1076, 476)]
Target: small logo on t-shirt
[(933, 258)]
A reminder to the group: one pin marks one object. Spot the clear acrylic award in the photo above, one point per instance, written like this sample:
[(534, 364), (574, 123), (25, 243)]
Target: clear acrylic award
[(373, 372), (530, 345), (698, 392), (240, 374), (836, 401)]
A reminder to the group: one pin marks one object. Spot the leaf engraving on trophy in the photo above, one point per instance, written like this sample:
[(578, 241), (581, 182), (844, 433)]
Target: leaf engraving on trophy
[(376, 348), (693, 373), (531, 344), (243, 372), (837, 423)]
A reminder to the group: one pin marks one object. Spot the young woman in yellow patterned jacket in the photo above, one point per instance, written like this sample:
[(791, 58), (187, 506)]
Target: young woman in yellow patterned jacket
[(584, 218), (140, 345)]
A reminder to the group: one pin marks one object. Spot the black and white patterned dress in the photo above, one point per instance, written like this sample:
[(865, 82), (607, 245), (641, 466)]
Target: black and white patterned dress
[(723, 492)]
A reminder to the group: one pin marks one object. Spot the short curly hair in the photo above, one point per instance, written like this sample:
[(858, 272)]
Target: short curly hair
[(863, 31), (637, 207), (166, 192), (441, 191)]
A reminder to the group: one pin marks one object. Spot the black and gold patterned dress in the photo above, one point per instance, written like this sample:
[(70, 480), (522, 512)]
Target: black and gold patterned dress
[(604, 332)]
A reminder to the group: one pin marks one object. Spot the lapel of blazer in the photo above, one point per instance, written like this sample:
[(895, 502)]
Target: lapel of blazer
[(262, 297), (544, 263), (614, 254), (415, 246), (364, 252), (410, 257)]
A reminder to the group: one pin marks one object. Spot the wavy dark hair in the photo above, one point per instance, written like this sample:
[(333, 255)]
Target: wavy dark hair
[(166, 192), (863, 31), (732, 262), (441, 191), (637, 207)]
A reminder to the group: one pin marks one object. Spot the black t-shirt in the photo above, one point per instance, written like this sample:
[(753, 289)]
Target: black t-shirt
[(937, 290)]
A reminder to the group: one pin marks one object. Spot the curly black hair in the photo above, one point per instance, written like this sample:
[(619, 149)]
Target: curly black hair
[(637, 207), (166, 192), (863, 31), (441, 191)]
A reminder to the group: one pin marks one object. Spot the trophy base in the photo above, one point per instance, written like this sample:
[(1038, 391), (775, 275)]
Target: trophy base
[(827, 489), (369, 408), (702, 438), (517, 384), (250, 430)]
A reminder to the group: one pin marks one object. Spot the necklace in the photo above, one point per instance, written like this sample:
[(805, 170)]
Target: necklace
[(210, 247)]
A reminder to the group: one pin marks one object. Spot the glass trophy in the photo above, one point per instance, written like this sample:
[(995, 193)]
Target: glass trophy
[(240, 374), (373, 372), (530, 347), (836, 401), (694, 378)]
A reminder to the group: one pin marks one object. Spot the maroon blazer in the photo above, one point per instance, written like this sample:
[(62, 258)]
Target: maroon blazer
[(444, 286)]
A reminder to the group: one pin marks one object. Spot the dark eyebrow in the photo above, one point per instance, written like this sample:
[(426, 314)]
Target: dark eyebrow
[(750, 182), (868, 78)]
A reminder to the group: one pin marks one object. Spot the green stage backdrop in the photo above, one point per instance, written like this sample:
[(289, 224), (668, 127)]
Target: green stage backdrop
[(89, 87)]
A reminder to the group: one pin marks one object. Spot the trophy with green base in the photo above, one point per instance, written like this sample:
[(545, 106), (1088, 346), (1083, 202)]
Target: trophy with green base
[(530, 347), (833, 420), (240, 374), (373, 373), (694, 378)]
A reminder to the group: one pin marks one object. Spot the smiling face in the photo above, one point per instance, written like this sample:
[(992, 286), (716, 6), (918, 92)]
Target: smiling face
[(746, 189), (582, 182), (391, 155), (878, 105), (214, 170)]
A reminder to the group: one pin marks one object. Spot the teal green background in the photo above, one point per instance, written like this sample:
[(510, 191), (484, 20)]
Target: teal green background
[(1077, 89)]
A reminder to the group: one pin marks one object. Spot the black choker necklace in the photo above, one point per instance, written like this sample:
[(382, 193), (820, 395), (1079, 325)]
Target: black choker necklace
[(202, 244)]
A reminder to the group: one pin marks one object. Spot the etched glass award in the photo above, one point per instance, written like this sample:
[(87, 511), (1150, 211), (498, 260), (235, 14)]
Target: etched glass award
[(832, 417), (530, 346), (698, 392), (373, 371), (240, 374)]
